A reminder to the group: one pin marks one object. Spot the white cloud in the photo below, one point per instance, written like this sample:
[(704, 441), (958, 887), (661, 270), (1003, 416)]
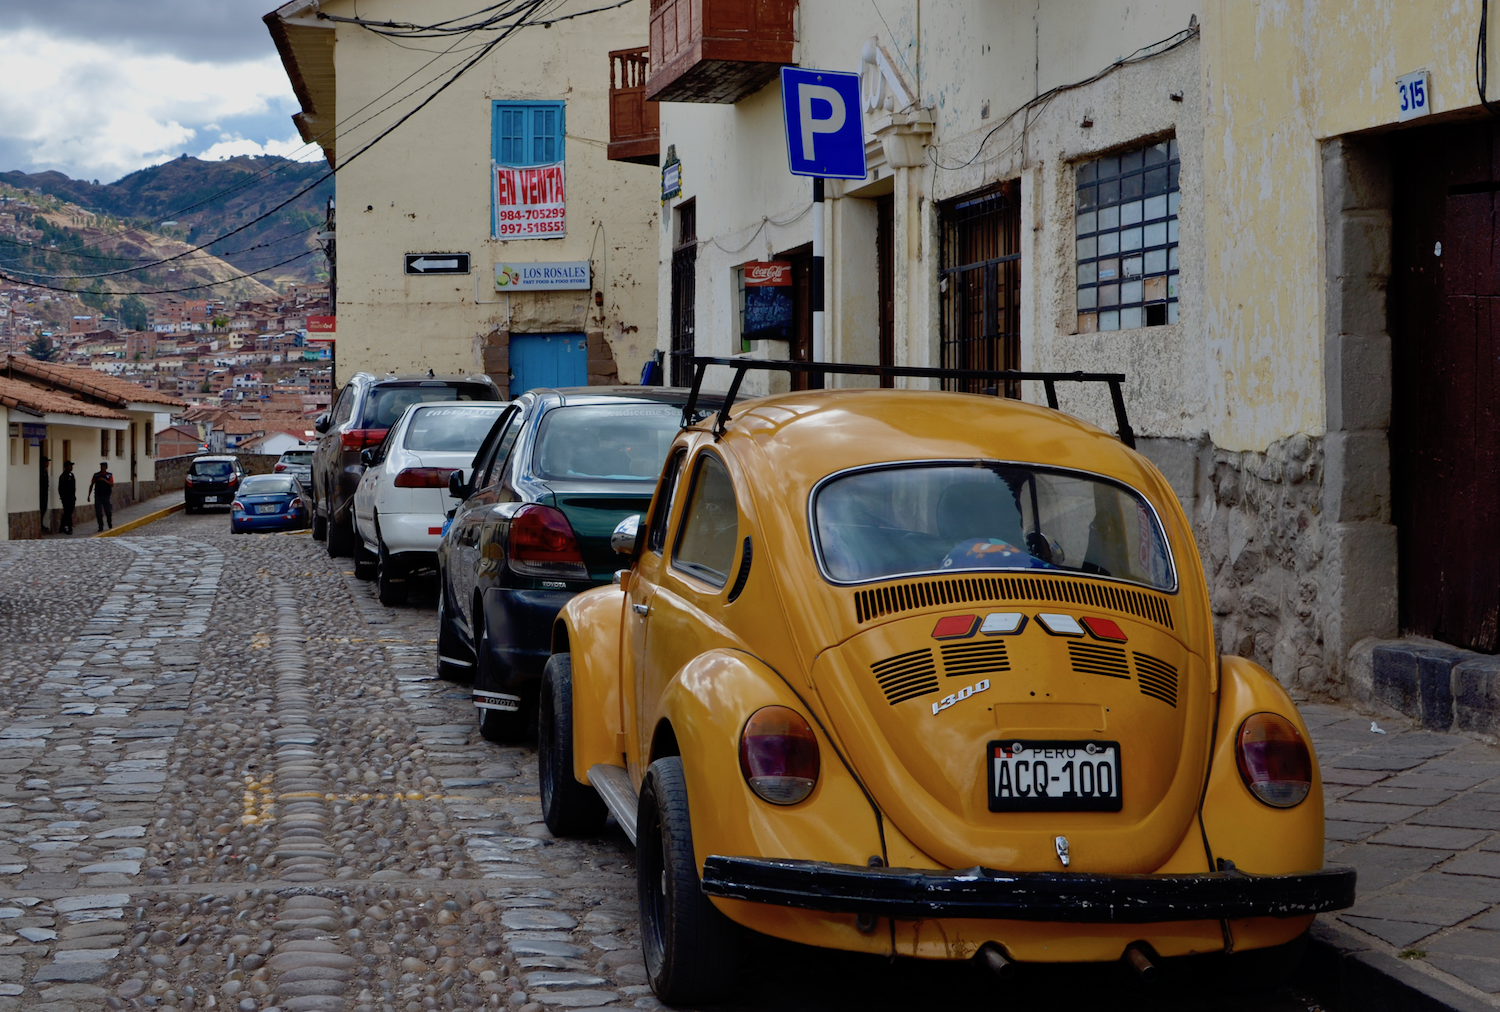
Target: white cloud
[(94, 111), (292, 147)]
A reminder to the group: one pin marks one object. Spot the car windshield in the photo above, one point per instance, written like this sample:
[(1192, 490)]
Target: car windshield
[(449, 430), (297, 456), (267, 484), (387, 403), (946, 518), (212, 469), (620, 441)]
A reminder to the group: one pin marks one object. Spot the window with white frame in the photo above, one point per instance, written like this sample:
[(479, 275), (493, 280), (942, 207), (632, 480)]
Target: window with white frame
[(1126, 216)]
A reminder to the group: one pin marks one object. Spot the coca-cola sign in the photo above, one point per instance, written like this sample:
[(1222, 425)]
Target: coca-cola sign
[(764, 273)]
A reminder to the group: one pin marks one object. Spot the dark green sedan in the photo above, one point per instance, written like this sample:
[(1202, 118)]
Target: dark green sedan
[(557, 472)]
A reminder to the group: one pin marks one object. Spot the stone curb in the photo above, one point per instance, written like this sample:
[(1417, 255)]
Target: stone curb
[(149, 518), (1443, 687), (1350, 975)]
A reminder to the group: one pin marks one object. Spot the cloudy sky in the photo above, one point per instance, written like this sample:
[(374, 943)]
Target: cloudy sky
[(100, 88)]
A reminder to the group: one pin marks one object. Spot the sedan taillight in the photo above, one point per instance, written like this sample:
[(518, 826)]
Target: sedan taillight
[(423, 477), (279, 467), (779, 755), (294, 505), (1274, 760), (542, 544), (237, 505)]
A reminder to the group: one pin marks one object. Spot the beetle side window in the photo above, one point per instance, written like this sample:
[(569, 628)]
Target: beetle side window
[(657, 538), (710, 524)]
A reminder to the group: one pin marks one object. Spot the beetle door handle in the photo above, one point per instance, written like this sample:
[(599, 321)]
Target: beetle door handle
[(641, 609)]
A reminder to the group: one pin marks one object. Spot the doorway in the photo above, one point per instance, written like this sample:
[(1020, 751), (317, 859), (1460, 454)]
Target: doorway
[(547, 360), (799, 348), (1445, 410), (684, 293), (885, 260)]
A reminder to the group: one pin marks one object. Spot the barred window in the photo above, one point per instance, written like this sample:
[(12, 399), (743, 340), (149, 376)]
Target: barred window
[(1127, 239), (979, 284)]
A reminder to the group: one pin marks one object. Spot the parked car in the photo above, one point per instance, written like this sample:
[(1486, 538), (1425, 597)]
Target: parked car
[(929, 674), (211, 480), (365, 410), (403, 498), (297, 463), (268, 502), (544, 492)]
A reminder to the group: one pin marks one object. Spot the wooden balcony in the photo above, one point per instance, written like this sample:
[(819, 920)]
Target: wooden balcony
[(634, 123), (717, 50)]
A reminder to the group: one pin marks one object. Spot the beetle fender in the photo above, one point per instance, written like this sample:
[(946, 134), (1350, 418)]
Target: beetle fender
[(588, 627), (707, 705)]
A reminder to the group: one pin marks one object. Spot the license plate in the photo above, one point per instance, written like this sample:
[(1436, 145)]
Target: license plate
[(1054, 776), (210, 498), (266, 509)]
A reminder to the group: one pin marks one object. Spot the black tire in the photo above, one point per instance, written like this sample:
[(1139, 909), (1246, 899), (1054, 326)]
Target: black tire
[(503, 727), (447, 642), (341, 539), (1259, 969), (692, 950), (390, 579), (189, 508), (319, 524), (569, 808), (366, 562)]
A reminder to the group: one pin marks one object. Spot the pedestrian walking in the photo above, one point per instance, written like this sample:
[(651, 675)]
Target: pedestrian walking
[(101, 488), (67, 491)]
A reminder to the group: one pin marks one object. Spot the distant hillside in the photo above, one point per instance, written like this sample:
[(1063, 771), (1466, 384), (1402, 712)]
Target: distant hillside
[(166, 192)]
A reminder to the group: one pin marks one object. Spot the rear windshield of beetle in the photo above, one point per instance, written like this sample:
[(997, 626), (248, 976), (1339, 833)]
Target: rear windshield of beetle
[(450, 429), (965, 518), (612, 441)]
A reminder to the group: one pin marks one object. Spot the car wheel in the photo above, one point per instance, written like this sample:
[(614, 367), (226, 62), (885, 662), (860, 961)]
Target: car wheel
[(448, 645), (1259, 969), (319, 524), (569, 808), (341, 540), (390, 579), (504, 727), (691, 949)]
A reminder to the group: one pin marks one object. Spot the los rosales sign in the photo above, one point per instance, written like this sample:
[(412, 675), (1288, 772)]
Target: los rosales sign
[(529, 202)]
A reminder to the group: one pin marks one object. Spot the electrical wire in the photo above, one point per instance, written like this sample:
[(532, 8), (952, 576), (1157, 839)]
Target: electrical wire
[(1155, 49), (1482, 59), (167, 291), (764, 221)]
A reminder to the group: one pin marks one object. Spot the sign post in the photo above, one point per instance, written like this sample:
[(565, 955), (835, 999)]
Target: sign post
[(825, 139)]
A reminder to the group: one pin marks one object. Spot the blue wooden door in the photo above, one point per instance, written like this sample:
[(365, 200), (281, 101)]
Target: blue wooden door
[(547, 360)]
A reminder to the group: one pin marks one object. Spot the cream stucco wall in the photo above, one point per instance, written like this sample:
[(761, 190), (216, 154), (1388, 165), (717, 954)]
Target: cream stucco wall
[(426, 189)]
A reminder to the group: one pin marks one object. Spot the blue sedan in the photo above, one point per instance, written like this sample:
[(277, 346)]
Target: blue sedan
[(268, 502)]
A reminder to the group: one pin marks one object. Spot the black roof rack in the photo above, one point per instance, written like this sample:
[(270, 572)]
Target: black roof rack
[(1049, 381)]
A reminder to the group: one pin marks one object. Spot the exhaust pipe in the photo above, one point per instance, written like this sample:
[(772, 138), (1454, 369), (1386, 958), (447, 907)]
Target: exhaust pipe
[(1140, 964), (992, 959)]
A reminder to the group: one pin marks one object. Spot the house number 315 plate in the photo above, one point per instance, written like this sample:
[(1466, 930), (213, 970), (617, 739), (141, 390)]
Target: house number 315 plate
[(1415, 95)]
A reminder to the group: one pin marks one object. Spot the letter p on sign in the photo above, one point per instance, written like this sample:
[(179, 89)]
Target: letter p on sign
[(824, 131)]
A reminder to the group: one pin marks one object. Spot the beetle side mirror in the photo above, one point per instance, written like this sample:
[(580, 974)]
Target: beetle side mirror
[(457, 488), (321, 425), (623, 538), (367, 456)]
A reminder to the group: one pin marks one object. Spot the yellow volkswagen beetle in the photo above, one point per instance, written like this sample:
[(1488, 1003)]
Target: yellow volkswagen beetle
[(928, 674)]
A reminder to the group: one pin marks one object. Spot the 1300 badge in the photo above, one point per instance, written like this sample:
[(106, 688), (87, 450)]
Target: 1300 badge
[(959, 696)]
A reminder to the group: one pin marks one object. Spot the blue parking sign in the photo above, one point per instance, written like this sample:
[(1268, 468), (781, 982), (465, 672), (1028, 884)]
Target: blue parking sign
[(825, 134)]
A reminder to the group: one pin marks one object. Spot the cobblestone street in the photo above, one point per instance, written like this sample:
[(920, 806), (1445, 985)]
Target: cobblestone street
[(229, 779)]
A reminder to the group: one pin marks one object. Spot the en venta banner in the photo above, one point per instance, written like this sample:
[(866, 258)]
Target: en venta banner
[(529, 202)]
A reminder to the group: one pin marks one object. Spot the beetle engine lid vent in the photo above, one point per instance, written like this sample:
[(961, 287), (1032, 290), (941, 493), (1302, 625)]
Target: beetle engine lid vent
[(964, 660), (1098, 659), (894, 598), (1157, 678), (906, 676)]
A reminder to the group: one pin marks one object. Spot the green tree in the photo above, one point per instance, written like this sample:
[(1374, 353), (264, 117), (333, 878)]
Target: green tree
[(94, 297), (133, 312), (41, 349)]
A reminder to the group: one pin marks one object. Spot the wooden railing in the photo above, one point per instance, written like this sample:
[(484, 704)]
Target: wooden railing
[(634, 123), (717, 50)]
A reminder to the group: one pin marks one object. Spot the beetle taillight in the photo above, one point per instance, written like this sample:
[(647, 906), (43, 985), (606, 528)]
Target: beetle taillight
[(542, 544), (1274, 760), (779, 755)]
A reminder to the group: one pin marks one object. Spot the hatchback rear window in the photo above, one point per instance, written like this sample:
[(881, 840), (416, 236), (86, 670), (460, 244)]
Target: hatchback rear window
[(449, 430), (946, 518), (298, 456), (387, 403), (267, 484), (212, 469), (624, 441)]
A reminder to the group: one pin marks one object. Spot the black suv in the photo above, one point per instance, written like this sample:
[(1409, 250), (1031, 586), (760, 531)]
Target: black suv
[(366, 409), (211, 480)]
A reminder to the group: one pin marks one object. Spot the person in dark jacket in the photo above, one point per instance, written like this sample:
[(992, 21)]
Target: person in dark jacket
[(67, 491), (101, 488)]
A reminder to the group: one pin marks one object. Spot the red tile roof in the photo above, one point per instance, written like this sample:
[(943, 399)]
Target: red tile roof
[(15, 394), (89, 382)]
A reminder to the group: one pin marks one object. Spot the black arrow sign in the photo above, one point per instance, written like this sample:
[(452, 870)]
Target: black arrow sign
[(437, 263)]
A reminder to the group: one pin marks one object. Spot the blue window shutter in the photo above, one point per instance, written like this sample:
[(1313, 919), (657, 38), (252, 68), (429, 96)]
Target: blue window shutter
[(528, 133), (513, 136)]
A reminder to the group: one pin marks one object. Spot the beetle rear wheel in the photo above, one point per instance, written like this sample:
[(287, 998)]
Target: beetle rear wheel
[(691, 949), (569, 808)]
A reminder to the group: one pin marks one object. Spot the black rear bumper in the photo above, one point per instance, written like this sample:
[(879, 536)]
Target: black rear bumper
[(1078, 897)]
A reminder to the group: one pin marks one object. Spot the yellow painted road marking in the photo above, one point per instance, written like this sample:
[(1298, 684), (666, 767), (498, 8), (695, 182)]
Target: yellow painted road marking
[(149, 518)]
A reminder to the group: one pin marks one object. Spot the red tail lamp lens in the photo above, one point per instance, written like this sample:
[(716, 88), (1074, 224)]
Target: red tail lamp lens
[(779, 755), (358, 439), (542, 544), (1274, 760), (423, 477)]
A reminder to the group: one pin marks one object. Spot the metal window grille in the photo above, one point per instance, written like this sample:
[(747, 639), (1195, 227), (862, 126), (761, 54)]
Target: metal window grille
[(979, 284), (1127, 239)]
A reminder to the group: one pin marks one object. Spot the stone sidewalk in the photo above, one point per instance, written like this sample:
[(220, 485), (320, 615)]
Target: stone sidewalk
[(1417, 812)]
